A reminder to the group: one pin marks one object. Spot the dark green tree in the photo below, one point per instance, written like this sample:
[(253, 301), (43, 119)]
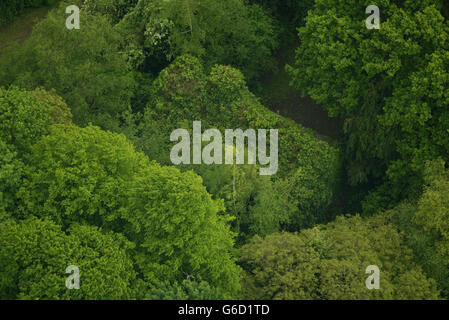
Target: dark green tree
[(219, 32), (387, 85), (184, 92), (114, 10), (11, 9)]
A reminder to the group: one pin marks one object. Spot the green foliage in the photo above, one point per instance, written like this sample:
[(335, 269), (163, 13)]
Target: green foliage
[(329, 262), (114, 10), (219, 32), (24, 116), (387, 85), (257, 204), (59, 112), (275, 208), (11, 170), (290, 12), (425, 225), (84, 66), (84, 167), (140, 229), (184, 92), (186, 290), (89, 176), (34, 255), (191, 240)]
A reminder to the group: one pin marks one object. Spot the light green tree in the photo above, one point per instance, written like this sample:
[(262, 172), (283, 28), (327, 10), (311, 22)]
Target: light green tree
[(329, 262), (34, 255), (89, 176), (387, 85), (424, 223), (84, 66)]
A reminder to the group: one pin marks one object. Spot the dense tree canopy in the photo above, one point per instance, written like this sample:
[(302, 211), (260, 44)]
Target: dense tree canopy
[(34, 255), (94, 178), (167, 214), (389, 85), (329, 262), (114, 10), (11, 168), (425, 224), (219, 32), (187, 290), (290, 12), (87, 179), (12, 8), (25, 116), (308, 167), (85, 67)]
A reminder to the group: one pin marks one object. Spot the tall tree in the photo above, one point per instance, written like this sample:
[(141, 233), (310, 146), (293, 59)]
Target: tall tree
[(89, 176), (329, 262), (388, 85), (25, 116), (34, 256)]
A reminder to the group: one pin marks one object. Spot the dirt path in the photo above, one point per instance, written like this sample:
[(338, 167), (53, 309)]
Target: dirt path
[(21, 28), (276, 94), (280, 97)]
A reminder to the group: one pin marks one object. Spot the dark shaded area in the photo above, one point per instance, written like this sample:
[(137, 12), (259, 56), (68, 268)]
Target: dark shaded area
[(20, 29), (279, 96)]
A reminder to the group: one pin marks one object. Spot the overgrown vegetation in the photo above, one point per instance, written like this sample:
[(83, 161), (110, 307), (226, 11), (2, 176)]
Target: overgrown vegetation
[(86, 177)]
